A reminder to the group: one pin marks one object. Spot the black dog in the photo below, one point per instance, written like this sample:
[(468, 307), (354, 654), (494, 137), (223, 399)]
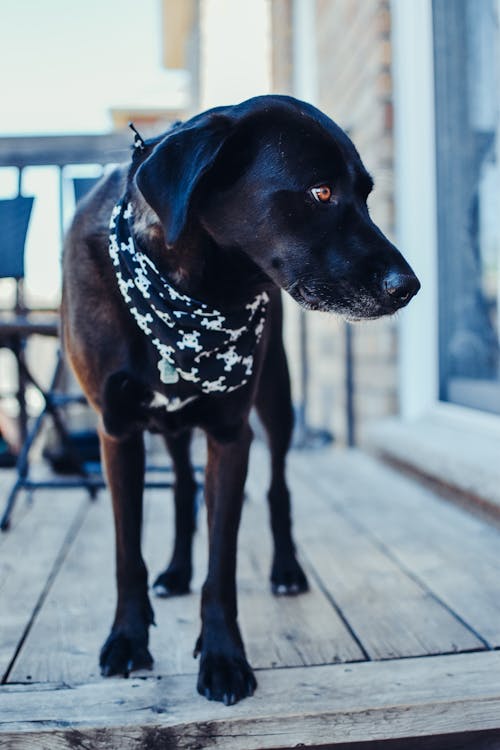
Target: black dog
[(176, 323)]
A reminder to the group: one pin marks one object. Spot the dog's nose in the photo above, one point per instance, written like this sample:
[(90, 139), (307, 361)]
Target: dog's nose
[(401, 287)]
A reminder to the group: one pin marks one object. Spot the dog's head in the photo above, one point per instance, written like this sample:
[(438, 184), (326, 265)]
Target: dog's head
[(280, 181)]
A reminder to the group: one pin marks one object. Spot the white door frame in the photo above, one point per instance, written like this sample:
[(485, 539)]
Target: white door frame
[(415, 197), (416, 216)]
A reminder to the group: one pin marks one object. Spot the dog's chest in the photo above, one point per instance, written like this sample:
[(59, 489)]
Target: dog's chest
[(160, 402)]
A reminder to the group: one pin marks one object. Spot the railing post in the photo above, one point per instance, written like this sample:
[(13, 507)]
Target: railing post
[(349, 387)]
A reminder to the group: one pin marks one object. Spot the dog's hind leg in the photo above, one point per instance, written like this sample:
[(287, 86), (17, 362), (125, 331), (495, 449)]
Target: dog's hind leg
[(175, 579), (127, 645), (274, 407)]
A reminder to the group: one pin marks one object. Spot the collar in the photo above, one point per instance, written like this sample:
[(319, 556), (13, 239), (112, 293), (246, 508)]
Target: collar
[(211, 349)]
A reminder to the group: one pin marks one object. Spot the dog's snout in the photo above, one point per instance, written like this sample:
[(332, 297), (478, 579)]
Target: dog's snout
[(401, 287)]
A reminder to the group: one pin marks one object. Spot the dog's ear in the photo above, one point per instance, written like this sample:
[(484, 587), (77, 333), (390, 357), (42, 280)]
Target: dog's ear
[(170, 175)]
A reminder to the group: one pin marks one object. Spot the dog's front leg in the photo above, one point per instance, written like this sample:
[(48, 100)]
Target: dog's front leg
[(225, 674), (127, 645)]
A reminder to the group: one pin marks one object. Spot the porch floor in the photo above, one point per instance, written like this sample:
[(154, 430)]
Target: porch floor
[(396, 639)]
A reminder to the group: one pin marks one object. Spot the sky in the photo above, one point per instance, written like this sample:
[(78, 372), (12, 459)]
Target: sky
[(64, 63)]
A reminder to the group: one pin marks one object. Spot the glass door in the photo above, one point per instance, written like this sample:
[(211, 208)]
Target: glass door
[(466, 63)]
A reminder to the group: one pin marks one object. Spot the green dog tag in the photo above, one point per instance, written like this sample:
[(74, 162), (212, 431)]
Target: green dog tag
[(168, 373)]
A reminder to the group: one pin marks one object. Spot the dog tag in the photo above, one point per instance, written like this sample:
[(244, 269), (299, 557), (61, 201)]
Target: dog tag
[(168, 373)]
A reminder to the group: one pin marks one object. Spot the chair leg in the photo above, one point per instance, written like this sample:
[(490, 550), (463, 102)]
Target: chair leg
[(9, 505), (18, 351), (22, 468), (52, 407)]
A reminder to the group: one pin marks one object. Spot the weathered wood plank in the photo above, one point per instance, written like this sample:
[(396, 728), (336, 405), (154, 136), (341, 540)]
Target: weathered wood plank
[(178, 618), (30, 553), (277, 632), (454, 554), (308, 706), (64, 642), (78, 612), (283, 631), (391, 614), (79, 609), (489, 740), (302, 630), (7, 480)]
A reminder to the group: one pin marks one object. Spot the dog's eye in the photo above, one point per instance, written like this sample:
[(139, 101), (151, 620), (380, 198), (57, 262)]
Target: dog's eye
[(322, 193)]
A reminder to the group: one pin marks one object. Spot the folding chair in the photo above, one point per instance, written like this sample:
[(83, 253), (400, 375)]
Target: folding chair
[(82, 185), (17, 325), (14, 220)]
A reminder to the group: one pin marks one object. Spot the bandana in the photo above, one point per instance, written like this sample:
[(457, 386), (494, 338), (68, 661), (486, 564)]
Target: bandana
[(208, 348)]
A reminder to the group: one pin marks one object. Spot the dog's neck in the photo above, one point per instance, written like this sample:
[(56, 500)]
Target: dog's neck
[(196, 265), (212, 348)]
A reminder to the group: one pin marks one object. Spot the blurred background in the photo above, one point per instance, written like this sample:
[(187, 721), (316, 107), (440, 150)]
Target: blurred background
[(416, 85)]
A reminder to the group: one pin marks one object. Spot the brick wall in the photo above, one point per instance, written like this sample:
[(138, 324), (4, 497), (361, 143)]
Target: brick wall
[(355, 88)]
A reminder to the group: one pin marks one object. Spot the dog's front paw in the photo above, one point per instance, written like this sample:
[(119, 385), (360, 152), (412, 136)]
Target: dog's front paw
[(122, 653), (172, 582), (288, 578), (226, 678)]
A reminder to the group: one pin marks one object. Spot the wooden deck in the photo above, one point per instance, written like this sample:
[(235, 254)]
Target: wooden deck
[(396, 638)]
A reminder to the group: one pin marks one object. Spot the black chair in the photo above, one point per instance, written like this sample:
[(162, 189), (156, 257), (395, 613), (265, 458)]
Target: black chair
[(17, 325), (14, 221), (82, 185)]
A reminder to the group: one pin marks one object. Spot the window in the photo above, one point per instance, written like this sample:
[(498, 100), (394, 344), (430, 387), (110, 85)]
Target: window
[(467, 103)]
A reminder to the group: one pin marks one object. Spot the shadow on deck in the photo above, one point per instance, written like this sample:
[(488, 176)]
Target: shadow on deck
[(396, 638)]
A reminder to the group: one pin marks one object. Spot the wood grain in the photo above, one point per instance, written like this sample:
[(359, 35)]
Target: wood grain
[(30, 555), (452, 553), (64, 641), (391, 614), (79, 608), (388, 560), (283, 631), (314, 706)]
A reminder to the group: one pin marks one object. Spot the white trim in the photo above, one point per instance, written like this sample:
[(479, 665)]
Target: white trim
[(416, 225), (305, 78), (466, 419)]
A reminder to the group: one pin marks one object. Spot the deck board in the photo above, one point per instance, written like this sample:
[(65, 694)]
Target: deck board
[(301, 706), (392, 615), (65, 638), (79, 608), (452, 553), (395, 572), (283, 631), (30, 556)]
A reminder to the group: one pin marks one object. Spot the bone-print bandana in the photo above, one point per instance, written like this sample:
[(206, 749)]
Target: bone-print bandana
[(212, 349)]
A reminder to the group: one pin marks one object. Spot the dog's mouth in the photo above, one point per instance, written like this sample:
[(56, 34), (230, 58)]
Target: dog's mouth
[(352, 305), (306, 296)]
